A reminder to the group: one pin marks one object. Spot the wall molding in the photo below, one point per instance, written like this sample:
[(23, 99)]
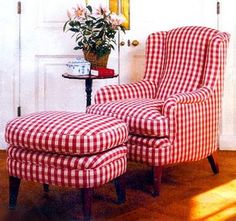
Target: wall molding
[(42, 63)]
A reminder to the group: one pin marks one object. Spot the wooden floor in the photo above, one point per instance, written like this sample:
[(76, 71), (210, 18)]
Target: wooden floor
[(189, 191)]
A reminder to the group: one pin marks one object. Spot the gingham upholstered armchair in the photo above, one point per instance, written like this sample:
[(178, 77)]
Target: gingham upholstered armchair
[(174, 112)]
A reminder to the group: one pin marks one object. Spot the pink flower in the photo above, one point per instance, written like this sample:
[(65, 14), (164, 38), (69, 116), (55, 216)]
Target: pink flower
[(80, 11), (102, 10), (116, 20), (69, 14)]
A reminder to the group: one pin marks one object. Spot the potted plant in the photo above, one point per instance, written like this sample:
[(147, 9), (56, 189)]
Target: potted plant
[(94, 30)]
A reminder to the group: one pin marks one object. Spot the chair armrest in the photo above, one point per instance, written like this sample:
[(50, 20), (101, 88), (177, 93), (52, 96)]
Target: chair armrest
[(191, 111), (193, 123), (200, 95), (141, 89)]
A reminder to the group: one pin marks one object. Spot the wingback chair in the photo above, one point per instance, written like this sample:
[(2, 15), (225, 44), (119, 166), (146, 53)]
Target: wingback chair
[(173, 114)]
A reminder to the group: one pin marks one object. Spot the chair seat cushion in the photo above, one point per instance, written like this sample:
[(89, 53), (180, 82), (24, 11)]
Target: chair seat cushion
[(66, 132), (66, 170), (142, 115)]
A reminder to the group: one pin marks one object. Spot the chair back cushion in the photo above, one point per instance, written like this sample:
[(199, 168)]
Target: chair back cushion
[(180, 57)]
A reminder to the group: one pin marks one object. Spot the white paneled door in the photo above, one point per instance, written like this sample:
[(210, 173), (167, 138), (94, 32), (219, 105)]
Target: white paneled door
[(45, 49), (8, 63)]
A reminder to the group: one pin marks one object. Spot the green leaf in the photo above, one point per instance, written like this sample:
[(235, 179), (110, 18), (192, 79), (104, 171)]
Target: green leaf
[(122, 28), (71, 23), (89, 23), (74, 29), (99, 25), (90, 8), (90, 16), (87, 32), (112, 47), (64, 27), (78, 38), (77, 23), (100, 20)]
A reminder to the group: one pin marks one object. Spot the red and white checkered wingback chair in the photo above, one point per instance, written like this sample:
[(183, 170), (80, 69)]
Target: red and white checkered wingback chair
[(173, 114)]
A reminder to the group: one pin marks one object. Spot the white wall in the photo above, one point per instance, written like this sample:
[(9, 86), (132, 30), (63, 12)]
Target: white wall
[(228, 131)]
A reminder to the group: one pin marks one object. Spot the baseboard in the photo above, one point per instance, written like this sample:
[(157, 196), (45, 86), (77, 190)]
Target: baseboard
[(227, 142)]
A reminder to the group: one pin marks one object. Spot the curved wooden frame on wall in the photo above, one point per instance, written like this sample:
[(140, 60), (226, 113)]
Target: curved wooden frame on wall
[(124, 6)]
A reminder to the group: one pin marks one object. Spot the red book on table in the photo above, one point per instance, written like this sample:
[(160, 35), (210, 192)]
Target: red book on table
[(104, 72)]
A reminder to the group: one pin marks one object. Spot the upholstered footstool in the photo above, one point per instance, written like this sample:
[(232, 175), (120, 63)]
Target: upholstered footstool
[(67, 149)]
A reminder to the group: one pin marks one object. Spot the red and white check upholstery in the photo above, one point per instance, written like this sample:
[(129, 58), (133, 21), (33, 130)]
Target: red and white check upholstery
[(186, 65), (66, 132), (142, 115), (143, 89), (66, 170), (66, 148)]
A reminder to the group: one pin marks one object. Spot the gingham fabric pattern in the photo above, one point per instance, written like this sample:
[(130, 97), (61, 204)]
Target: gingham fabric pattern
[(151, 151), (66, 132), (61, 170), (194, 116), (155, 56), (142, 115), (25, 155), (142, 89), (187, 65), (185, 59)]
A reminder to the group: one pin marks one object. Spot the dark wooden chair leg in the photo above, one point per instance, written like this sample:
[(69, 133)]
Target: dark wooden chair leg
[(119, 183), (87, 194), (14, 184), (213, 162), (45, 188), (157, 172)]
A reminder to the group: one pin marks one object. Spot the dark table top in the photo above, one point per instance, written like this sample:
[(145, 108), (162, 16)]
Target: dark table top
[(84, 77)]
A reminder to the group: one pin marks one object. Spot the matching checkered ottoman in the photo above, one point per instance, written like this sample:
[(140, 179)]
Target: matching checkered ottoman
[(67, 149)]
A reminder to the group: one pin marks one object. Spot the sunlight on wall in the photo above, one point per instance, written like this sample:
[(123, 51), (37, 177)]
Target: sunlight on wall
[(216, 204)]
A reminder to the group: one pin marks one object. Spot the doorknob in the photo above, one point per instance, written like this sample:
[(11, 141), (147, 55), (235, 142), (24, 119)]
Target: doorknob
[(135, 43), (122, 43)]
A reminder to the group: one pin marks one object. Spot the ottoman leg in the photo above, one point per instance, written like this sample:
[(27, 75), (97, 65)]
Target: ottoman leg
[(45, 188), (157, 172), (120, 189), (87, 194), (14, 184)]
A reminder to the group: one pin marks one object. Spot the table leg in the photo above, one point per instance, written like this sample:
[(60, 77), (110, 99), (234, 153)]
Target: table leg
[(88, 90)]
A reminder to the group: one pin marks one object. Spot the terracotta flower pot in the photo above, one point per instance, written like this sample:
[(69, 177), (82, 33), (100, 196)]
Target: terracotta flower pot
[(95, 60)]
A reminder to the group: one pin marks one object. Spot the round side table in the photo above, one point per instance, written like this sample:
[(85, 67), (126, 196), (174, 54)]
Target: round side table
[(88, 83)]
